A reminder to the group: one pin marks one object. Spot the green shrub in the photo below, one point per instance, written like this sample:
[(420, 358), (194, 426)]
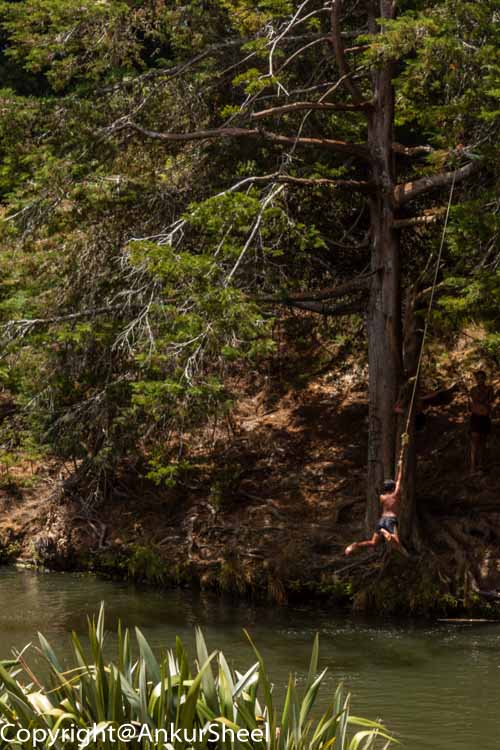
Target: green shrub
[(145, 564), (9, 551)]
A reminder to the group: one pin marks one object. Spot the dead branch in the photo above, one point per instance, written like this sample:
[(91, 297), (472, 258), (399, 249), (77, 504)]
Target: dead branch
[(352, 149), (319, 106), (427, 218), (399, 148), (344, 308), (357, 284), (338, 46), (409, 190), (23, 326), (361, 186)]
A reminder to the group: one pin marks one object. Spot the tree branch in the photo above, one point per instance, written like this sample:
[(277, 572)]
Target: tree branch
[(427, 218), (343, 308), (322, 106), (197, 135), (338, 46), (177, 70), (20, 328), (62, 318), (353, 246), (409, 190), (352, 149), (360, 186), (399, 148), (360, 283)]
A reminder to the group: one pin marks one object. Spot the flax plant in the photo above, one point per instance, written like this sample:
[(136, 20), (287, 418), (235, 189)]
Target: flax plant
[(172, 691)]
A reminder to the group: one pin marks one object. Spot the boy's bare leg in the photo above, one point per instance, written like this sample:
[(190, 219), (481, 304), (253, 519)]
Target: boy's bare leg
[(368, 543), (394, 541)]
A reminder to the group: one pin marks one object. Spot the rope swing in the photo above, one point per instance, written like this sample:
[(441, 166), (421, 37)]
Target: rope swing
[(405, 437)]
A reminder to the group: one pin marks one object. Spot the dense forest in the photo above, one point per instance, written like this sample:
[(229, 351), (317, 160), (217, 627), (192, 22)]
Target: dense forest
[(200, 201)]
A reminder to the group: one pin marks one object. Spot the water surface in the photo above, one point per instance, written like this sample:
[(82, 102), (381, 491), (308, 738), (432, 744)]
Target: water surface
[(437, 686)]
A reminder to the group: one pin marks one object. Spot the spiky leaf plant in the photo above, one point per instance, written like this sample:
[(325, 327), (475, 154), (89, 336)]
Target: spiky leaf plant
[(170, 693)]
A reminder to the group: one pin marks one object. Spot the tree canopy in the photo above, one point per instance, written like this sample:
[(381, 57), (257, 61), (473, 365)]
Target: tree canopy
[(175, 177)]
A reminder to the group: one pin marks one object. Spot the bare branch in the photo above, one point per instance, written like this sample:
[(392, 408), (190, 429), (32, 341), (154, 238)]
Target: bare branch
[(427, 218), (356, 48), (361, 186), (293, 21), (18, 329), (426, 150), (409, 190), (343, 308), (353, 149), (299, 51), (178, 70), (198, 135), (338, 46), (272, 195), (322, 106), (353, 246), (22, 326), (343, 147), (360, 283), (399, 148)]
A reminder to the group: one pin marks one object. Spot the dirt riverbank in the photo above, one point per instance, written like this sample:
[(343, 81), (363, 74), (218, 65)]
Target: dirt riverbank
[(271, 507)]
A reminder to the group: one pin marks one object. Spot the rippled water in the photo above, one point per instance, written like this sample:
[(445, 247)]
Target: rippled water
[(436, 686)]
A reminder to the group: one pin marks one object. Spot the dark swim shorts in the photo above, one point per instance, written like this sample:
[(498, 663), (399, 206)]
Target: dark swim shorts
[(389, 523), (480, 424)]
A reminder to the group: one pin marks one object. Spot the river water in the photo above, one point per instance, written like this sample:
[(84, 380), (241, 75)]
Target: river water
[(436, 686)]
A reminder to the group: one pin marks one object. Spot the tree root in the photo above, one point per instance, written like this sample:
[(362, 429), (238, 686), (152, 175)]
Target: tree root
[(98, 527)]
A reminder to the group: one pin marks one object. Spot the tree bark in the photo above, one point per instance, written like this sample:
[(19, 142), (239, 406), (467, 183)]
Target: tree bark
[(384, 312)]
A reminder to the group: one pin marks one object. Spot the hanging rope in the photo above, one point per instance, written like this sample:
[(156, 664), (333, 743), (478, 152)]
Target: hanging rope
[(405, 437)]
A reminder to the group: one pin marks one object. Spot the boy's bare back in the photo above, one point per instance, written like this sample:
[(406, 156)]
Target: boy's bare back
[(391, 502)]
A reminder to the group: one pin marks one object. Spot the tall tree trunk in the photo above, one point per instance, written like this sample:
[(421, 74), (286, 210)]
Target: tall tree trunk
[(384, 311)]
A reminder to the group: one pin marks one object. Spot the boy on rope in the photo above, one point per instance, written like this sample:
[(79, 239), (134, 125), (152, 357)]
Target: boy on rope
[(387, 526), (481, 402)]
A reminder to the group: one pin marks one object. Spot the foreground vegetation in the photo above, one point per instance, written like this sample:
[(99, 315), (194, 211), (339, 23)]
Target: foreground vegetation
[(168, 692)]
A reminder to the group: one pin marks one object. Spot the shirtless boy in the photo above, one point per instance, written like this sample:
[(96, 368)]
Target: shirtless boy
[(481, 402), (387, 526)]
